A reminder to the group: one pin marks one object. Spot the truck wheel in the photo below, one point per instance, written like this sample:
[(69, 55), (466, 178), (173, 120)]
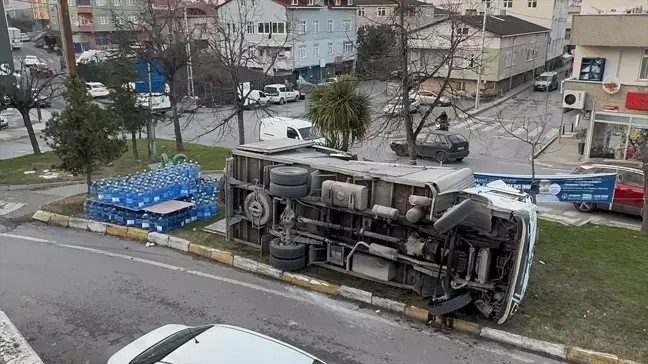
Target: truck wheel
[(288, 264), (288, 191), (454, 216), (281, 251), (438, 308), (289, 176), (258, 207)]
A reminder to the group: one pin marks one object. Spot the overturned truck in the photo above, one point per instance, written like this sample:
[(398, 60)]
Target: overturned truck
[(429, 229)]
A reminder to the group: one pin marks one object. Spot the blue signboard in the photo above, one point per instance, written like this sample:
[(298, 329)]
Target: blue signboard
[(597, 188), (156, 77)]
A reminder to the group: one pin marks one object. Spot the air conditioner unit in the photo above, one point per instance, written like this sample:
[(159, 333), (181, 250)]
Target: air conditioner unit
[(573, 99)]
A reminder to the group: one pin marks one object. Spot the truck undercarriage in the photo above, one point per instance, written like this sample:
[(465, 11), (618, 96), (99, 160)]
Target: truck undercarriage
[(428, 229)]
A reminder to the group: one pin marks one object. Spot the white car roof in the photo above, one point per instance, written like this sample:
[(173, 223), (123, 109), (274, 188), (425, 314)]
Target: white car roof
[(296, 123), (99, 84), (276, 85)]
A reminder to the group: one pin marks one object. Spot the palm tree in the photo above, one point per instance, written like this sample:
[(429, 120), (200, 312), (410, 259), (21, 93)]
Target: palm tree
[(340, 112)]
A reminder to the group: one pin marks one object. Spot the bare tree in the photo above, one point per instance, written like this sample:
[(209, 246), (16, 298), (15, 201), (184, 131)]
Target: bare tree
[(34, 86), (161, 37), (238, 51)]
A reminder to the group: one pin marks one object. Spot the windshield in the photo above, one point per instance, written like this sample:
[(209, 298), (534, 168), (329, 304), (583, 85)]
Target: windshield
[(162, 349), (308, 133), (544, 78), (272, 91), (457, 138)]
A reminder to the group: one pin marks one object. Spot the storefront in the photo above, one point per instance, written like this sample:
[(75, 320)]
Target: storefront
[(616, 135)]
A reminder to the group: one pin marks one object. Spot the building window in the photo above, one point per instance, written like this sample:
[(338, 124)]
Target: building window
[(508, 4), (119, 20), (643, 73), (349, 2), (347, 25), (132, 19), (311, 2), (315, 26), (514, 57), (507, 59), (116, 3), (301, 27), (330, 49), (249, 27), (338, 2), (102, 19), (294, 2), (361, 11), (254, 2), (315, 50), (348, 47), (465, 30), (131, 2), (532, 3), (101, 2), (301, 51), (429, 11), (278, 28), (382, 11), (592, 69), (529, 54), (330, 25)]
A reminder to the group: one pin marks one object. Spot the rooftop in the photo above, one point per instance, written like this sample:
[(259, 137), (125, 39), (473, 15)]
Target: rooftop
[(389, 2), (501, 25)]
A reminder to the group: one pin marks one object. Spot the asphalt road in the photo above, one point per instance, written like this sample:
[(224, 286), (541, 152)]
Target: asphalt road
[(79, 297)]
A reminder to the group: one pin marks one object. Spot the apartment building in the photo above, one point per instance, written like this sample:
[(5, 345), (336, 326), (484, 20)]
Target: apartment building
[(573, 9), (40, 14), (383, 12), (514, 49), (313, 39), (551, 14), (610, 80)]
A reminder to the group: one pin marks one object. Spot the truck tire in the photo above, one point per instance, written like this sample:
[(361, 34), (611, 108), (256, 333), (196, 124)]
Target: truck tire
[(288, 191), (258, 207), (288, 264), (454, 216), (288, 252), (438, 308), (289, 176)]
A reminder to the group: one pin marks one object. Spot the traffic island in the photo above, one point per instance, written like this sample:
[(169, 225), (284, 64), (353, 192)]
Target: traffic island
[(585, 290)]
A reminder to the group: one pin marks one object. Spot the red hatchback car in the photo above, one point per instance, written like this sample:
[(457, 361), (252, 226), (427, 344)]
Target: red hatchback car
[(629, 191)]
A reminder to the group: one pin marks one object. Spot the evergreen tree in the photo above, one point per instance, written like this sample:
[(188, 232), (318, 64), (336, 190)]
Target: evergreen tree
[(124, 106), (84, 136)]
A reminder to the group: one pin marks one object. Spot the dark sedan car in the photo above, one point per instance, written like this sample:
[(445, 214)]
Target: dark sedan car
[(443, 146)]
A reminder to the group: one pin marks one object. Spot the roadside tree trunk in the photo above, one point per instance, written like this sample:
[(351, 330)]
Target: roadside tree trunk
[(176, 126), (240, 123), (30, 131), (134, 140), (345, 141), (88, 177)]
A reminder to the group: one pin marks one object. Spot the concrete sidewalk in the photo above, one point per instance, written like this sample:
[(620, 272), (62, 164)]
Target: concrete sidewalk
[(19, 133), (14, 349)]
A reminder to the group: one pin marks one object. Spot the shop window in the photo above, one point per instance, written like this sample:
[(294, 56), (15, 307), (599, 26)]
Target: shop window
[(592, 69)]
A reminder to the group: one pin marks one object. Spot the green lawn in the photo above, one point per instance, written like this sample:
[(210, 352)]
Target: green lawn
[(13, 170)]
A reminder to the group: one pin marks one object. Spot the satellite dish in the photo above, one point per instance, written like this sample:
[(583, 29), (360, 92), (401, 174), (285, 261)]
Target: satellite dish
[(611, 85)]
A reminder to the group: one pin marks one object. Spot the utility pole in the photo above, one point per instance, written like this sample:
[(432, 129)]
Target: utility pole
[(481, 56), (66, 36), (150, 126), (190, 80)]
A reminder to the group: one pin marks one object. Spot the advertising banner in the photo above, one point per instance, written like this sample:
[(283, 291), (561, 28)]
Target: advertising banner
[(597, 188)]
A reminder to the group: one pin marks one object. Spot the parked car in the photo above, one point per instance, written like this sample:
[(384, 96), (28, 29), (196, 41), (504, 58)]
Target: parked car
[(305, 90), (427, 98), (395, 107), (628, 193), (43, 101), (254, 99), (280, 94), (3, 122), (487, 94), (42, 70), (24, 37), (97, 89), (547, 81), (214, 344), (30, 61), (443, 146), (282, 127)]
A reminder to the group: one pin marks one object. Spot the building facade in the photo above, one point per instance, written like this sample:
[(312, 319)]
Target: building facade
[(611, 69), (550, 14), (513, 50), (313, 39), (383, 12)]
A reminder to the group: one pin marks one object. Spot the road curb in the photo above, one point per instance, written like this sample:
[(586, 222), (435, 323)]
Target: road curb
[(544, 147), (474, 112), (560, 351), (13, 346)]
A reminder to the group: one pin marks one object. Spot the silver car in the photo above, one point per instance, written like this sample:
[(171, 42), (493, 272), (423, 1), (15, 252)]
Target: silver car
[(209, 344), (3, 122)]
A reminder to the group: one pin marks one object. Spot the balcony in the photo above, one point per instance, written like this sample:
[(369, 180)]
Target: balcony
[(87, 28), (618, 30), (84, 10)]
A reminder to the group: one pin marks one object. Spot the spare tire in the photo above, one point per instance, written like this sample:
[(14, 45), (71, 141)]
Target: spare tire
[(454, 216), (288, 264), (288, 191), (438, 308), (293, 251), (289, 176), (258, 207)]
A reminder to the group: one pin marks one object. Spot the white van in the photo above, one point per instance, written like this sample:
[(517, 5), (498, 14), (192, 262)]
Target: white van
[(254, 99), (281, 128), (281, 94)]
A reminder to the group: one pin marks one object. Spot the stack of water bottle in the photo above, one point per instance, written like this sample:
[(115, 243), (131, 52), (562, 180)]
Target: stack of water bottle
[(121, 200)]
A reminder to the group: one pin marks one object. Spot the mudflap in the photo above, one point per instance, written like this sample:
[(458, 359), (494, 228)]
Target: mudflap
[(440, 308)]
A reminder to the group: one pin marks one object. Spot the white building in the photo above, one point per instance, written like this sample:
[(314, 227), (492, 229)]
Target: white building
[(551, 14)]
